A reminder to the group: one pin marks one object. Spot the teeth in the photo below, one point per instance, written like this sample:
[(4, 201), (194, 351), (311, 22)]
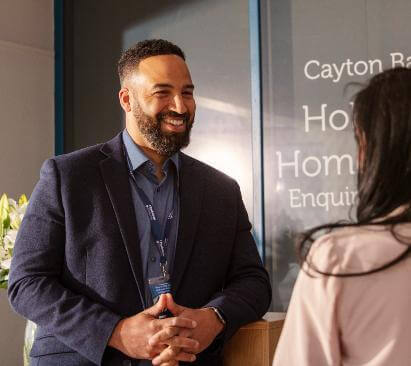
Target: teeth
[(175, 122)]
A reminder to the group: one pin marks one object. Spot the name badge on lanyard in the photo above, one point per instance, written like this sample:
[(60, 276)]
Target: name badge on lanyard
[(158, 285)]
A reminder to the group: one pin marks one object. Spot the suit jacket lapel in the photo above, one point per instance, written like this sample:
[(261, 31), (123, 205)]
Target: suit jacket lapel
[(191, 195), (115, 176)]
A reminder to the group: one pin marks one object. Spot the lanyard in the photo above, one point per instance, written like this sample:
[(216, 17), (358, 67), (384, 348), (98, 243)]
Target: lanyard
[(160, 238)]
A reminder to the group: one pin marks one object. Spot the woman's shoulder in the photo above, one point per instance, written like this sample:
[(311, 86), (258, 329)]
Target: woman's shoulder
[(357, 249)]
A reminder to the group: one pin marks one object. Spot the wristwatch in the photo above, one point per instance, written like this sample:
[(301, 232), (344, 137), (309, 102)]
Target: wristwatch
[(220, 316)]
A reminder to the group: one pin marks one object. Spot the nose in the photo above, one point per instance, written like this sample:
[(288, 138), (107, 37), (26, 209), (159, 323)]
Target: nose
[(178, 104)]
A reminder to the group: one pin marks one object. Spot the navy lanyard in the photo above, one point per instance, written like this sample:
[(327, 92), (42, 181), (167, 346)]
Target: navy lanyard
[(160, 238)]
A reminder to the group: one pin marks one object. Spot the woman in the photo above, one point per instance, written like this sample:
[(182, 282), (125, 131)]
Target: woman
[(351, 303)]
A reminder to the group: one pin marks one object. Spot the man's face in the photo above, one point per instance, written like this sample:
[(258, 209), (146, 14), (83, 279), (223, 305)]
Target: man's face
[(162, 103)]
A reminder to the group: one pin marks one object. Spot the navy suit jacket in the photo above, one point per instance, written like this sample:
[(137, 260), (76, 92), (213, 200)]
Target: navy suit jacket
[(77, 268)]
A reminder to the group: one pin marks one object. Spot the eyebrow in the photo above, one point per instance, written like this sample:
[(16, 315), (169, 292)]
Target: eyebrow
[(165, 85)]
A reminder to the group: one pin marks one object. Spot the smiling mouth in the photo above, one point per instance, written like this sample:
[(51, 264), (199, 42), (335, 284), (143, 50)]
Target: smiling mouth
[(174, 122)]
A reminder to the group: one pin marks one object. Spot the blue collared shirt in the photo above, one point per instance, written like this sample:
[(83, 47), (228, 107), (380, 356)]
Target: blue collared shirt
[(164, 197)]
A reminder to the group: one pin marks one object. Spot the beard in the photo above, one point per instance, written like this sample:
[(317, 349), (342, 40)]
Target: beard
[(164, 143)]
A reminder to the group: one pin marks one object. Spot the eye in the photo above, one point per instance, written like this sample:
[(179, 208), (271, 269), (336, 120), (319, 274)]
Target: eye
[(188, 93), (162, 93)]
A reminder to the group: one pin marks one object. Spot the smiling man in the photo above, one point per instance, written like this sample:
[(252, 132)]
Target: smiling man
[(131, 252)]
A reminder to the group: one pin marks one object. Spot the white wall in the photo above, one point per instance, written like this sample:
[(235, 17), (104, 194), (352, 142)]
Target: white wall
[(26, 121)]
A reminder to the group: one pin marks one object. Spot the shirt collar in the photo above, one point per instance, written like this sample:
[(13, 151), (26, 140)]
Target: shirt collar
[(138, 158)]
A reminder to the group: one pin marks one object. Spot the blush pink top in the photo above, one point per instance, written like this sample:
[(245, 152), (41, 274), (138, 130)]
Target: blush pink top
[(352, 321)]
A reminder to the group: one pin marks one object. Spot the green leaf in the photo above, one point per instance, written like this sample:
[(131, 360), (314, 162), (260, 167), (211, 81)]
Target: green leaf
[(15, 224), (6, 224), (4, 207), (3, 274), (23, 199), (3, 278), (4, 214)]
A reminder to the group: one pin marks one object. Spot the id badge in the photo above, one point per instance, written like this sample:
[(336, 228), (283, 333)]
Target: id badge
[(159, 285)]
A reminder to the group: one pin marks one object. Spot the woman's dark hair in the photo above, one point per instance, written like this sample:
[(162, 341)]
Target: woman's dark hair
[(382, 124), (131, 58)]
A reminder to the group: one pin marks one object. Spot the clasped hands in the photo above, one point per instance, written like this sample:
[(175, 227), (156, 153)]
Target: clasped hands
[(166, 341)]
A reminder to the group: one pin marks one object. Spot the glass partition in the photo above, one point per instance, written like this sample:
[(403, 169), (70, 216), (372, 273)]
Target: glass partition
[(311, 52)]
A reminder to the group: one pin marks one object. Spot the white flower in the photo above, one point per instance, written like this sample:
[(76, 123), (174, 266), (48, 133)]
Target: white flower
[(5, 264), (15, 219), (16, 213), (12, 203), (4, 254), (22, 208), (11, 216), (10, 238)]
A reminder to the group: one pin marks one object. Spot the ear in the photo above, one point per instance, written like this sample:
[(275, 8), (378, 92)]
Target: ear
[(124, 97)]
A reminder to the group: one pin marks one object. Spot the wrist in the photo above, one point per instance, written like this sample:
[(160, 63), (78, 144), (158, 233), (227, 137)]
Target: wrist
[(115, 340), (220, 321)]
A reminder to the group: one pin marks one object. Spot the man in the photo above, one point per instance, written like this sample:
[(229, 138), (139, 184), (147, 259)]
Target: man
[(111, 227)]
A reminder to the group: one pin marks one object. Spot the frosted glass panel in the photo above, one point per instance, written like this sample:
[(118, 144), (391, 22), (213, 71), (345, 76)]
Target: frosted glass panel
[(311, 51)]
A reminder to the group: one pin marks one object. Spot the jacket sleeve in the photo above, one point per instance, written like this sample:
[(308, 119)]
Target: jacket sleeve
[(246, 295), (36, 286)]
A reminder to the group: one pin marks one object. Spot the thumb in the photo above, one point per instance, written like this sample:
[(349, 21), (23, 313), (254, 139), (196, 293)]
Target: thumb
[(175, 309), (158, 307)]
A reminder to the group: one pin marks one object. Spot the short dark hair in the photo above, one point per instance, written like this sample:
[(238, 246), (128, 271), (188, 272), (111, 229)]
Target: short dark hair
[(131, 58)]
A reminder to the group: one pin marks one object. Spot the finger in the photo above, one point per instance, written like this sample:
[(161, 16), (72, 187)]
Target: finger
[(183, 342), (179, 322), (170, 363), (163, 335), (181, 356), (157, 308), (186, 357), (169, 354), (173, 307), (154, 351), (170, 337)]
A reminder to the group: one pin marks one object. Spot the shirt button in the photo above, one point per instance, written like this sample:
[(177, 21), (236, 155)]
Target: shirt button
[(153, 259)]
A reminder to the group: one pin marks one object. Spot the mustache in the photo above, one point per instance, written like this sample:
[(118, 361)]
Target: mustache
[(184, 116)]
